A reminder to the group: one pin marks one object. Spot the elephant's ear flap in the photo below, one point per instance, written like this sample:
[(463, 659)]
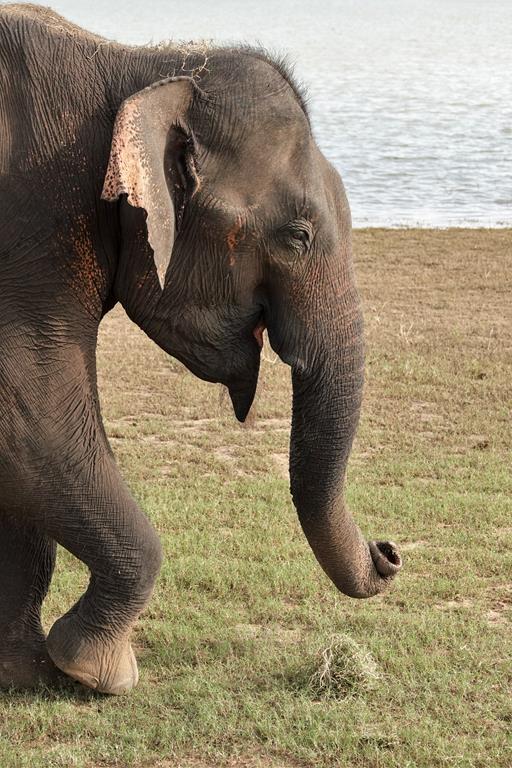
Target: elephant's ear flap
[(139, 156)]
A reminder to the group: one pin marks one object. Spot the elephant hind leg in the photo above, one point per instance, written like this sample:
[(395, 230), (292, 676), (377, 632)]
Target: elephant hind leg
[(27, 559)]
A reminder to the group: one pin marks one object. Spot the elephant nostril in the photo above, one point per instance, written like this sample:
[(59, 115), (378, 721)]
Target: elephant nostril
[(390, 552), (386, 557)]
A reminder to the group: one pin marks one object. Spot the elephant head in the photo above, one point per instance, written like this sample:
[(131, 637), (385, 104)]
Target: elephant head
[(249, 227)]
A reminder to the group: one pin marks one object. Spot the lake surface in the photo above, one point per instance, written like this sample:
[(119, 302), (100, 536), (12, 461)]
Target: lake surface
[(411, 100)]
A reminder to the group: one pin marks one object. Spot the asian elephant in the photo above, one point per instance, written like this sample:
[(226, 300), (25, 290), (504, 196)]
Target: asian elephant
[(184, 183)]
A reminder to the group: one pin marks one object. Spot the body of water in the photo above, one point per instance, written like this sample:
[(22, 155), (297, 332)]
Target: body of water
[(411, 100)]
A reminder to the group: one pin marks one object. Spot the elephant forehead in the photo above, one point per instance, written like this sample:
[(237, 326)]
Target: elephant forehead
[(257, 171), (264, 133)]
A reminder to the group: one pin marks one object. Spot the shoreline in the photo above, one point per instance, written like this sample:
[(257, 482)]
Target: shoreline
[(418, 228)]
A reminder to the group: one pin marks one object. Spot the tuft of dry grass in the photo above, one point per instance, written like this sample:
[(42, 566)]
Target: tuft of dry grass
[(344, 668)]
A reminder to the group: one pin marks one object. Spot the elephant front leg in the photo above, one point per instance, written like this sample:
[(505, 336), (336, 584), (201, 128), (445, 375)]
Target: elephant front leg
[(27, 559), (97, 520)]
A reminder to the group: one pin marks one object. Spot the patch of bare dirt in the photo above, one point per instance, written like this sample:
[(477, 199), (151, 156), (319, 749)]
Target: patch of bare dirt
[(450, 605), (281, 464), (240, 761), (227, 456), (497, 617), (501, 612)]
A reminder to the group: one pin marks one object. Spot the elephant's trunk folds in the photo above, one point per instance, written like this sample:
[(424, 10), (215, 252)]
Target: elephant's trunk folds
[(326, 403)]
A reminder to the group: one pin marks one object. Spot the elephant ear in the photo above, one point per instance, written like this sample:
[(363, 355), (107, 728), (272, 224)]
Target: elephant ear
[(150, 141)]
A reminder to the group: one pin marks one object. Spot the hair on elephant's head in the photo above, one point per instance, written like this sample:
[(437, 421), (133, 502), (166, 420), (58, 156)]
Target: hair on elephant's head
[(250, 228)]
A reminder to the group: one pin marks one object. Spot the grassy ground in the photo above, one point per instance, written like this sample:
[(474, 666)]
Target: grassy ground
[(241, 614)]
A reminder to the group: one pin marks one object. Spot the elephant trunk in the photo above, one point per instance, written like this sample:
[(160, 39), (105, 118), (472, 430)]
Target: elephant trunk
[(326, 403)]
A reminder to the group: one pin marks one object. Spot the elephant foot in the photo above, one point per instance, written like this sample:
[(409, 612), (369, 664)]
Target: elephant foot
[(28, 665), (106, 666)]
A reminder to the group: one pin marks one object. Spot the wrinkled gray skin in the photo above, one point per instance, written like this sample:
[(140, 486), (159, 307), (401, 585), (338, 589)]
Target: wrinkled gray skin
[(224, 168)]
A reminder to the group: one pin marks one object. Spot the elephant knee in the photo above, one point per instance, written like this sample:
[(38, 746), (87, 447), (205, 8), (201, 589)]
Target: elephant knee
[(148, 561), (136, 567), (152, 556)]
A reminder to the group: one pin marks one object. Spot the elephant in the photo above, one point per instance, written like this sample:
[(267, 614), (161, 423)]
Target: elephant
[(184, 183)]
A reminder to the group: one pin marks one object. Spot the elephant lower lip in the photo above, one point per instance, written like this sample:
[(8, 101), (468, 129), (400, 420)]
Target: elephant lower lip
[(242, 401), (242, 391), (258, 333)]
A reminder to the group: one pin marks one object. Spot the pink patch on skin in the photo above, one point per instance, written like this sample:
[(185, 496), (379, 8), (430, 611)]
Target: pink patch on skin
[(258, 333)]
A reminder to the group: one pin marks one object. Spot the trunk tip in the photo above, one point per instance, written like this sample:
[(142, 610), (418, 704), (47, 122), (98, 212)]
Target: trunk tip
[(386, 557)]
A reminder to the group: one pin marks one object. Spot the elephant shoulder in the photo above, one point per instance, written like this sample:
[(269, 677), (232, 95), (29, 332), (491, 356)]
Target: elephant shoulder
[(36, 19)]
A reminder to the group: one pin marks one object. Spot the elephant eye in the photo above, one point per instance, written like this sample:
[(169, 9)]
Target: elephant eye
[(299, 234)]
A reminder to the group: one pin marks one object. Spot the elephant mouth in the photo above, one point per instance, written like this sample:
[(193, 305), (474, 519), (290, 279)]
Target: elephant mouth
[(231, 357), (258, 333), (242, 395)]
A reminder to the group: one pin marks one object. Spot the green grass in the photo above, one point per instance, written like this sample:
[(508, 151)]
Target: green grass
[(230, 648)]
